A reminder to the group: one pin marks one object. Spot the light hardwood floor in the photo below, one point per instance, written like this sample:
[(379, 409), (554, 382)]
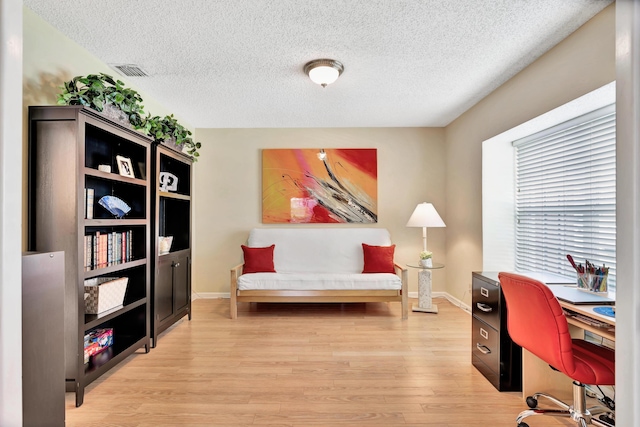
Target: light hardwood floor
[(304, 365)]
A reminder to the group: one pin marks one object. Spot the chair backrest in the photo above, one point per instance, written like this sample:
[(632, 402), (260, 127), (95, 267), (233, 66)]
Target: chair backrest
[(536, 321)]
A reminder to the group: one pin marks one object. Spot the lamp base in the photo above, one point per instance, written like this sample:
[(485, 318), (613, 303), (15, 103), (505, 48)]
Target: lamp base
[(425, 304), (432, 309)]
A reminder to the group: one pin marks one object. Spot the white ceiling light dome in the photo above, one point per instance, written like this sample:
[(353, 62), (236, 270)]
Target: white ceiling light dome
[(323, 71)]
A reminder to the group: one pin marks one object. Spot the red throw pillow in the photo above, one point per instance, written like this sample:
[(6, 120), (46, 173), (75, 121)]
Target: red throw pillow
[(258, 260), (378, 259)]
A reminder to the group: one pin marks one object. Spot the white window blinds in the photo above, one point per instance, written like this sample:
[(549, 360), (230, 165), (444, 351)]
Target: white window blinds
[(566, 195)]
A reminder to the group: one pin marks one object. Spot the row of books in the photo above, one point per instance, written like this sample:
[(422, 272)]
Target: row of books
[(106, 249)]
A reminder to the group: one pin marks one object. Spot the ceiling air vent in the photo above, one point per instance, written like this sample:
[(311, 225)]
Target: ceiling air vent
[(129, 70)]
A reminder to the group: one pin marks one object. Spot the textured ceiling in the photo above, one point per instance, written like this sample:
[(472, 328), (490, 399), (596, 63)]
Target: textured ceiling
[(238, 63)]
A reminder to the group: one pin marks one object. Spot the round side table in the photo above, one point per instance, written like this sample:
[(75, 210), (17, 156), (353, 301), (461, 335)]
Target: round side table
[(424, 288)]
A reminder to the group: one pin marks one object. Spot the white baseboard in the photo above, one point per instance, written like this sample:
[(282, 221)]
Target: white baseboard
[(449, 297), (209, 295), (453, 300)]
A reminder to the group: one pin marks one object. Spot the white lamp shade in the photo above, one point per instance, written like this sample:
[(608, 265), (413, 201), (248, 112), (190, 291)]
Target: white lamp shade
[(425, 215), (323, 75)]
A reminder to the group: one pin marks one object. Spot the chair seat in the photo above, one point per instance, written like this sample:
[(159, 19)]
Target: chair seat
[(595, 364)]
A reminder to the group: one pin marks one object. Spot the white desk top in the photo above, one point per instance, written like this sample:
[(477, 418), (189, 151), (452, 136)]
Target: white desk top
[(549, 278)]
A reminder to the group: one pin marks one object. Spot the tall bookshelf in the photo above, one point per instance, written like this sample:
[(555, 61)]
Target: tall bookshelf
[(171, 284), (67, 144)]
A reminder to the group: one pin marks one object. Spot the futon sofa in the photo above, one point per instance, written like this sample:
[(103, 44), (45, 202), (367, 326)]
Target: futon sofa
[(318, 265)]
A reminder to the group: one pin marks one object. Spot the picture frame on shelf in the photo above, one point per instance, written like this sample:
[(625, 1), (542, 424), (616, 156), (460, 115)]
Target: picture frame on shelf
[(124, 166)]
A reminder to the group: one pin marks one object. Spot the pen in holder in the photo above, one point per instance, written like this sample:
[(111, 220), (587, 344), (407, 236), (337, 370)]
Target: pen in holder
[(594, 282), (590, 277)]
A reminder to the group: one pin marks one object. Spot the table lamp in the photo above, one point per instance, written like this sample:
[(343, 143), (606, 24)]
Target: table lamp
[(425, 215)]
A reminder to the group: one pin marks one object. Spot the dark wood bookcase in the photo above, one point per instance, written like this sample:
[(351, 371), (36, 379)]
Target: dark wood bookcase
[(66, 146), (171, 289)]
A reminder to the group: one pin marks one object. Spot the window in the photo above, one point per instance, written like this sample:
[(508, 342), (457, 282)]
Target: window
[(566, 195)]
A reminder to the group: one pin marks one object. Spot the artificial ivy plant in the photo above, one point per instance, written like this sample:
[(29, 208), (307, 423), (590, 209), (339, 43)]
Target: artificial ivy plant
[(97, 90), (168, 128)]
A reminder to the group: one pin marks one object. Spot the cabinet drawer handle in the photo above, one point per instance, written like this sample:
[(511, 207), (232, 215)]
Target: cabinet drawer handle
[(484, 292), (175, 264), (483, 348), (484, 334), (484, 307)]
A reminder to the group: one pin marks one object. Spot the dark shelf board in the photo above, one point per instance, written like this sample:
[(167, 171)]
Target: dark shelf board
[(114, 268), (113, 222), (114, 355), (114, 177), (178, 196), (93, 320), (174, 252)]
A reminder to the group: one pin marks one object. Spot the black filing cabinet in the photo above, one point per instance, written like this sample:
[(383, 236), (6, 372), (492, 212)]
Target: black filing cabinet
[(493, 352)]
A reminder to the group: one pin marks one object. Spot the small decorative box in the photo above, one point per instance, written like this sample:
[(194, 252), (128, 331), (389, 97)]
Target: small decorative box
[(97, 341), (104, 293)]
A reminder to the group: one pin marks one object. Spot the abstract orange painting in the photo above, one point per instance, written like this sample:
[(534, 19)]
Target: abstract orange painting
[(320, 185)]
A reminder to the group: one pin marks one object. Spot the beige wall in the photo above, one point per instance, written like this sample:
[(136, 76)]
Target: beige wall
[(415, 164), (581, 63), (51, 58), (227, 190)]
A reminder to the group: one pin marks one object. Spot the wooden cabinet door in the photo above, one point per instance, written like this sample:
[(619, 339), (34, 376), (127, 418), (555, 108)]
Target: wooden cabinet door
[(181, 282), (164, 289)]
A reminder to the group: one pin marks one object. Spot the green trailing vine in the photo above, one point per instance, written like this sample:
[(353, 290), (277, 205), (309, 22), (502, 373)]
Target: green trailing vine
[(97, 90), (168, 128)]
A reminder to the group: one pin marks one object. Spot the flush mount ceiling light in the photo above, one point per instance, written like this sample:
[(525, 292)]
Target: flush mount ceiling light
[(323, 71)]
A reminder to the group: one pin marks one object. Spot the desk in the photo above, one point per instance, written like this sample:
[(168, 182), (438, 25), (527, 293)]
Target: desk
[(538, 376), (608, 332)]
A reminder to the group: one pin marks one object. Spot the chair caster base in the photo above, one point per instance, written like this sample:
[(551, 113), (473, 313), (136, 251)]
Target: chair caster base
[(607, 419)]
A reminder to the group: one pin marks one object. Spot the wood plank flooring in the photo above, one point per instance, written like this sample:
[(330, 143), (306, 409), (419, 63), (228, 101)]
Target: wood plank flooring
[(301, 365)]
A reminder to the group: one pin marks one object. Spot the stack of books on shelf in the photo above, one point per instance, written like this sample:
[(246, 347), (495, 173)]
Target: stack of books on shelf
[(106, 249)]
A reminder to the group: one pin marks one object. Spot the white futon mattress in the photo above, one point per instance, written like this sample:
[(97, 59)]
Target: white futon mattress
[(321, 281)]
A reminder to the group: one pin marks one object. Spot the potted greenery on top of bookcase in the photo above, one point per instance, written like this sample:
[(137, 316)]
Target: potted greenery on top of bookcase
[(102, 92), (97, 91), (168, 129)]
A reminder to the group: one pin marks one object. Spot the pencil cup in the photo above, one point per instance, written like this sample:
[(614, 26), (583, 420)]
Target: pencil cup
[(594, 282)]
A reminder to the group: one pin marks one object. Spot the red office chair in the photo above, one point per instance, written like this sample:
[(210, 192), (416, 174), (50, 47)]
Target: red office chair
[(536, 322)]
